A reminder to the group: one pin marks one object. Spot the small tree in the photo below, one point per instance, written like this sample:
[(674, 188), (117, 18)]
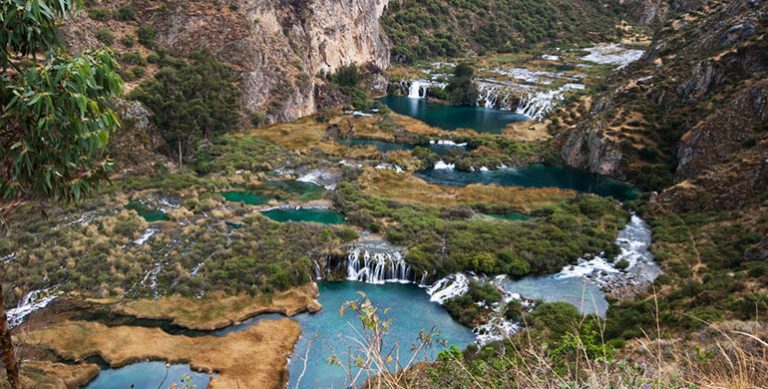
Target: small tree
[(461, 88), (373, 358), (55, 121)]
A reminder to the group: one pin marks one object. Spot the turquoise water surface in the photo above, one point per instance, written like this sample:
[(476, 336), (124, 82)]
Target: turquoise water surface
[(324, 216), (244, 196), (449, 117), (577, 291), (410, 307), (150, 215), (536, 176), (148, 375)]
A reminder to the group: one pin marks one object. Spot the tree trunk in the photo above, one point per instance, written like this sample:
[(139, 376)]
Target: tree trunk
[(6, 347), (178, 141)]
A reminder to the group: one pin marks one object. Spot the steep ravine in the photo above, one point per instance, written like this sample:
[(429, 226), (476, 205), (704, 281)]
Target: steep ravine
[(690, 115)]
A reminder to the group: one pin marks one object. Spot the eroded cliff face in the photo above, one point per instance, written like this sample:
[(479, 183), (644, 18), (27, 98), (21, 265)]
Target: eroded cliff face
[(691, 115), (280, 47)]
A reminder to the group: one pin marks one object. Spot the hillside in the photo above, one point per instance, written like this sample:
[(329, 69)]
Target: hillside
[(512, 193), (690, 115), (278, 49), (427, 29)]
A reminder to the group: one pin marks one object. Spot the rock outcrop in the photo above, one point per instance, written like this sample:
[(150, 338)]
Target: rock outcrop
[(691, 115), (280, 48)]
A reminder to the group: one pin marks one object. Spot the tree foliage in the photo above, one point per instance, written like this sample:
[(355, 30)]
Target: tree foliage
[(461, 88), (56, 114), (191, 99), (55, 119)]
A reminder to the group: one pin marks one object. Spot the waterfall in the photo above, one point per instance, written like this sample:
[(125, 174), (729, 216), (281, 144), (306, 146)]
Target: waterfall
[(449, 287), (497, 327), (537, 105), (634, 240), (146, 235), (487, 97), (32, 302), (418, 89), (370, 260), (377, 267)]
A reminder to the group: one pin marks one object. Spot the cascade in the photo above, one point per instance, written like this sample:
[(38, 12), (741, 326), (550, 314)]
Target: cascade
[(537, 105), (369, 261), (32, 301), (418, 89), (377, 267), (634, 240), (497, 327)]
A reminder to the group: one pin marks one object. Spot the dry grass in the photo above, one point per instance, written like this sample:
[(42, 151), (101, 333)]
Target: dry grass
[(217, 311), (52, 375), (406, 188), (303, 133), (727, 355), (254, 358)]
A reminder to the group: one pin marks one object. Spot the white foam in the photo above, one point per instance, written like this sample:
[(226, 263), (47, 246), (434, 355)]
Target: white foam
[(146, 235), (634, 241), (448, 143), (389, 166), (320, 177), (442, 165), (449, 287), (32, 302)]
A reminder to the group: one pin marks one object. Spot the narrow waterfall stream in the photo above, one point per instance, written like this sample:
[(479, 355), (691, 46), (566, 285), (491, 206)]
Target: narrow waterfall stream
[(418, 89)]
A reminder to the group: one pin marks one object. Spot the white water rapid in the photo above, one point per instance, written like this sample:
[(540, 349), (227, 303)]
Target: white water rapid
[(418, 89), (32, 302)]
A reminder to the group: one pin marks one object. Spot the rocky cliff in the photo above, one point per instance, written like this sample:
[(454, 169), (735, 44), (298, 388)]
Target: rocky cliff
[(690, 116), (279, 47)]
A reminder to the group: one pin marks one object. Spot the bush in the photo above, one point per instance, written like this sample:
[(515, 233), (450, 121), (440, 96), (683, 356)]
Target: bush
[(147, 36), (100, 14), (191, 100), (347, 80), (622, 264), (558, 318), (125, 13), (127, 41), (461, 88), (138, 72), (257, 119), (104, 36)]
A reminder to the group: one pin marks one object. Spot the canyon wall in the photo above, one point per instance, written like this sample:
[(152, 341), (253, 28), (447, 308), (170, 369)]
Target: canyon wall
[(280, 47)]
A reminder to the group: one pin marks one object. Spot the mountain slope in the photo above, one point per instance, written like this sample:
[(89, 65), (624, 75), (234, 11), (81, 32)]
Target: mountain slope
[(278, 48), (426, 29), (691, 113)]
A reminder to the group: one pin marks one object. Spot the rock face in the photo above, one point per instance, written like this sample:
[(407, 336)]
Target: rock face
[(280, 48), (590, 150), (693, 110)]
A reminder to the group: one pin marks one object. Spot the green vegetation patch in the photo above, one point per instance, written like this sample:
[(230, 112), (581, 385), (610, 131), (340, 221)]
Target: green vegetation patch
[(427, 29), (446, 241)]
